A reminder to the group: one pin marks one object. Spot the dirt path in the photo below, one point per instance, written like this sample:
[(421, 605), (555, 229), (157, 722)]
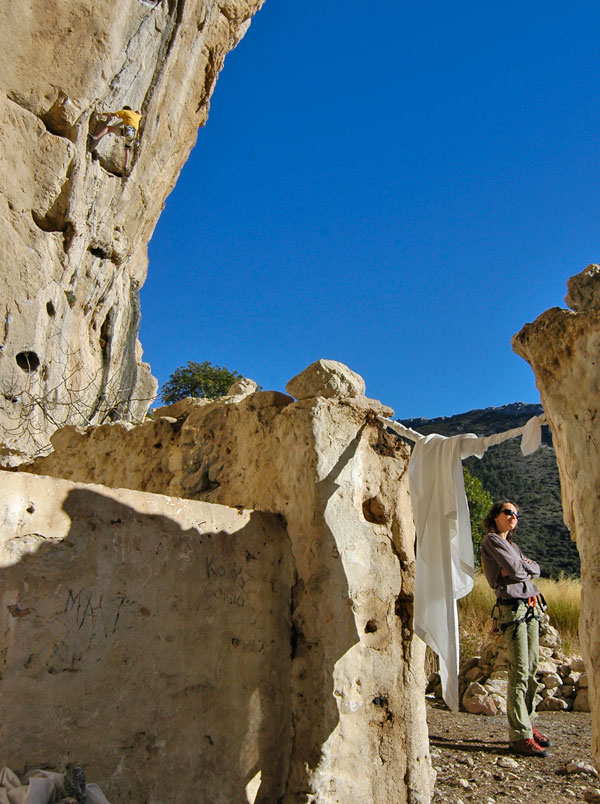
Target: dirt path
[(473, 764)]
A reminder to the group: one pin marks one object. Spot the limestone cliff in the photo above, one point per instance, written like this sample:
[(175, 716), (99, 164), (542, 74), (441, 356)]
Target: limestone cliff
[(74, 223), (563, 348)]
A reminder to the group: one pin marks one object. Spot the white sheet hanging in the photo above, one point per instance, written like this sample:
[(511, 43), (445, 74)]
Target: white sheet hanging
[(445, 562)]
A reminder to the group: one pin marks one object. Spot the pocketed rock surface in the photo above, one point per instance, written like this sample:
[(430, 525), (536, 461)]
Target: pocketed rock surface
[(473, 764)]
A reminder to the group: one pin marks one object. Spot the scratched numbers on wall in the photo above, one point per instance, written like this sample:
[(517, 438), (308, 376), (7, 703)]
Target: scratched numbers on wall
[(224, 583)]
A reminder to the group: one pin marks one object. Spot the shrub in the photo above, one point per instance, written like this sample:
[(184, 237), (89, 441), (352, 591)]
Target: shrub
[(201, 380)]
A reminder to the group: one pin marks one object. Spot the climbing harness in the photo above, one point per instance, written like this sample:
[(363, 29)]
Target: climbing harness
[(537, 601)]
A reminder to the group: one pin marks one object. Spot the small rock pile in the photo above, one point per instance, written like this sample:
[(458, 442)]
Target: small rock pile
[(483, 679)]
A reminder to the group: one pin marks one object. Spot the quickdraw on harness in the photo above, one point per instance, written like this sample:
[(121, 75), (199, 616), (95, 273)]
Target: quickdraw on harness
[(537, 601)]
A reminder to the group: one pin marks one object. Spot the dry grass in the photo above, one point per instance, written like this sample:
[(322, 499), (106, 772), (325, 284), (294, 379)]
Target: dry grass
[(563, 597), (475, 623)]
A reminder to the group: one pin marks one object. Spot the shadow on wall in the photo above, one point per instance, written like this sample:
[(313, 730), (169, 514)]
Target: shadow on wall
[(157, 657)]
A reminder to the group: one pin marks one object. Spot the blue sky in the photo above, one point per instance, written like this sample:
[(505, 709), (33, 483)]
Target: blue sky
[(398, 186)]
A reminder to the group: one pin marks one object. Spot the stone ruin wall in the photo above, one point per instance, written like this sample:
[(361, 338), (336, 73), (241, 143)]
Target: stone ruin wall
[(340, 484), (73, 231), (147, 638), (563, 349)]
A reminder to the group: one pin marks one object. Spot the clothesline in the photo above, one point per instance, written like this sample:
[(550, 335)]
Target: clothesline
[(445, 561)]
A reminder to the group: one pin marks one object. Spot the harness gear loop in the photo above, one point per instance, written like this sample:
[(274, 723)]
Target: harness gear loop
[(530, 614)]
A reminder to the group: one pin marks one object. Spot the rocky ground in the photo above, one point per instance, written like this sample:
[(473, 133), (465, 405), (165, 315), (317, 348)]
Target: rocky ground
[(473, 764)]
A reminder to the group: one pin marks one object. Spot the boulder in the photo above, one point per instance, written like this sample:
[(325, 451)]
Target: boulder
[(326, 378), (551, 681), (500, 701), (468, 664), (477, 701), (546, 667), (474, 674), (496, 685), (553, 704), (243, 387), (550, 637), (576, 664)]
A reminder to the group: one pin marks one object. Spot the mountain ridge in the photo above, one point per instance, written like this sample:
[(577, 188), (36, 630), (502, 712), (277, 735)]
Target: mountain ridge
[(531, 481)]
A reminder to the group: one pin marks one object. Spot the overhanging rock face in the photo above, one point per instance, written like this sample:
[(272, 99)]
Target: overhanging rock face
[(328, 467), (563, 348), (147, 638), (73, 228)]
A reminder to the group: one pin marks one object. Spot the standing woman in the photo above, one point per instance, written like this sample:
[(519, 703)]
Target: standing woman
[(518, 603)]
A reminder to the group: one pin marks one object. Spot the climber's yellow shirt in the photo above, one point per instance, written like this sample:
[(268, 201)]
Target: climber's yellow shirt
[(129, 118)]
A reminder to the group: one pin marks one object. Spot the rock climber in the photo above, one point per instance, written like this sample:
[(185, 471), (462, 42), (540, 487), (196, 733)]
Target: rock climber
[(128, 128), (519, 605)]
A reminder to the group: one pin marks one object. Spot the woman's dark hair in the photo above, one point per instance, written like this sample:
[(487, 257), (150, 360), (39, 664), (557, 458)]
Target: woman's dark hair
[(489, 523)]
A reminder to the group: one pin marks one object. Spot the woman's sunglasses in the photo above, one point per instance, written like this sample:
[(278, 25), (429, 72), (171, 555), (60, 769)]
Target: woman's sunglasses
[(508, 512)]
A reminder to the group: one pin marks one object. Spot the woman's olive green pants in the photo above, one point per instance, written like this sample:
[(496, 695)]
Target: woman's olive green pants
[(522, 644)]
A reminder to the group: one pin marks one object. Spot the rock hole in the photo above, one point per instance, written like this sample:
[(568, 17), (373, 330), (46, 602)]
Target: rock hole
[(28, 361), (100, 252), (106, 333), (68, 236), (294, 638), (50, 309), (30, 508), (373, 511), (207, 483), (370, 627), (399, 607)]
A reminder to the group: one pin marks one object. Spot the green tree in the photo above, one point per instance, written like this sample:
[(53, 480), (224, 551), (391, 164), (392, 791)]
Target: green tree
[(480, 502), (198, 379)]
